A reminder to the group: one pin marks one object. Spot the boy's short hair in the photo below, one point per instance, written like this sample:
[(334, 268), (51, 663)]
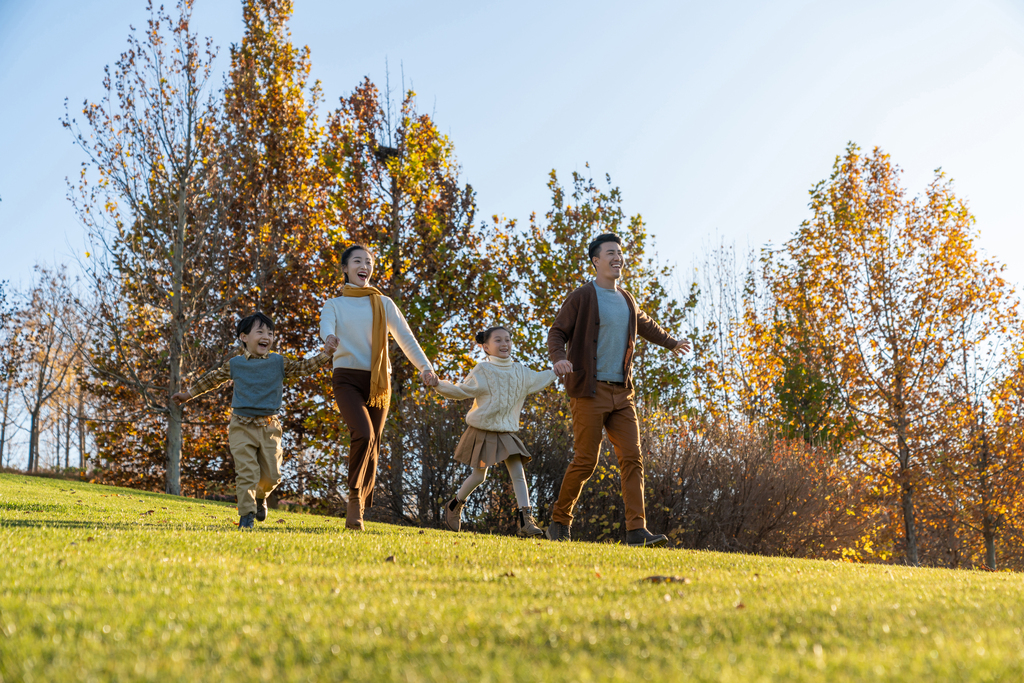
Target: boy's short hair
[(595, 245), (245, 325)]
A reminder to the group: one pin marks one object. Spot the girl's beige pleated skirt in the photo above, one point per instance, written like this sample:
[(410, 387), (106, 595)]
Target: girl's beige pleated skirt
[(480, 448)]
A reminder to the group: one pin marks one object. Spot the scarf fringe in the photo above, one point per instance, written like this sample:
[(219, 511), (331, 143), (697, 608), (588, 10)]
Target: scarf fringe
[(380, 400)]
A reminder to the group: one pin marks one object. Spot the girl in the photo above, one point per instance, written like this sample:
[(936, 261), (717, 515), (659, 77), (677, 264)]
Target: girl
[(498, 387), (359, 321)]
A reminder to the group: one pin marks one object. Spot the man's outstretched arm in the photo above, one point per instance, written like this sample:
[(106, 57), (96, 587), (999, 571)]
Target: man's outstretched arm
[(654, 333)]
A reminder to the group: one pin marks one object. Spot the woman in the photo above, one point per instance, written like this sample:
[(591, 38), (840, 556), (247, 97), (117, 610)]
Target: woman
[(360, 320)]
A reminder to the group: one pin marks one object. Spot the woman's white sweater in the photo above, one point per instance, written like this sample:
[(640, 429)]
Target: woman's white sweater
[(499, 386), (350, 319)]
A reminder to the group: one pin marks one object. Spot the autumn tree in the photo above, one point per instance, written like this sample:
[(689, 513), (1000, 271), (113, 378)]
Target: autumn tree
[(277, 211), (738, 338), (887, 285), (51, 347), (149, 195)]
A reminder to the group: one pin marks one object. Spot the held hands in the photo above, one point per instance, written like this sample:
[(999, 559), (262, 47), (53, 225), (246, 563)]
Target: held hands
[(181, 397), (562, 368), (681, 348), (428, 377), (330, 344)]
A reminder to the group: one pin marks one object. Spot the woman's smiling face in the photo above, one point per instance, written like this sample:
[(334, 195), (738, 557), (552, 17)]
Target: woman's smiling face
[(359, 268)]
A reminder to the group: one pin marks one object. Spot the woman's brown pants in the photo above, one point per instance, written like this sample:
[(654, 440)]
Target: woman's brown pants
[(365, 426)]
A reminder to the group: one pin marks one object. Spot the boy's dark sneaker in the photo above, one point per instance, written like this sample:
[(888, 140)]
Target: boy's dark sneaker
[(452, 513), (641, 538), (261, 509), (245, 522), (559, 532)]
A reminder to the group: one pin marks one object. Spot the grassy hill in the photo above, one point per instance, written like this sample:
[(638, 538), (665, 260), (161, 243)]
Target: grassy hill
[(105, 584)]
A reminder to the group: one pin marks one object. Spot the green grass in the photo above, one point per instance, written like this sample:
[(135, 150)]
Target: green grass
[(105, 584)]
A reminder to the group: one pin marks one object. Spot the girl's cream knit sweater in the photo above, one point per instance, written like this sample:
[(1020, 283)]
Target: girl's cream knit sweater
[(499, 386)]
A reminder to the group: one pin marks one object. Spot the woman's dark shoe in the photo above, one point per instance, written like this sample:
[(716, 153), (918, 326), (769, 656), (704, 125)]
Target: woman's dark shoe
[(261, 509), (527, 524), (452, 513), (641, 538), (559, 532)]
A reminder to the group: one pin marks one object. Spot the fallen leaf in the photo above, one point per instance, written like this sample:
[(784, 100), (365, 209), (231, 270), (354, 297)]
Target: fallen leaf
[(422, 531), (389, 558), (280, 521), (90, 539), (740, 605)]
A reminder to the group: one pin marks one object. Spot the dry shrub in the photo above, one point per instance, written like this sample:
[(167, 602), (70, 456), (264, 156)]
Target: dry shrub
[(732, 488)]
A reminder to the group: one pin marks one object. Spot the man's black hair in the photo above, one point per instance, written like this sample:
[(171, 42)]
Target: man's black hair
[(245, 325), (595, 246)]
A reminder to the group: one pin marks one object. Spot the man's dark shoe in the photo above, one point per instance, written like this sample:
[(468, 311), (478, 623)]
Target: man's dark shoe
[(559, 532), (245, 522), (643, 538), (261, 509)]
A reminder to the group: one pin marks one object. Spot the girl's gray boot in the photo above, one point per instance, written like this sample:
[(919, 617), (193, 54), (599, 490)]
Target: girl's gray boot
[(527, 524)]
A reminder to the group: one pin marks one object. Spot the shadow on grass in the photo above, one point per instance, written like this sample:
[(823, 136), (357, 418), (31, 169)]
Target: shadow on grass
[(170, 526)]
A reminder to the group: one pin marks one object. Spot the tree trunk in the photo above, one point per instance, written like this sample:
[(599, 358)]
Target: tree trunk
[(81, 432), (172, 482), (907, 503), (67, 438), (988, 520), (396, 242), (59, 432), (3, 423), (33, 442), (906, 488)]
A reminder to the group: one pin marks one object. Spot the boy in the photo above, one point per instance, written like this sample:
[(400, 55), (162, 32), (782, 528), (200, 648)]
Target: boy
[(255, 430)]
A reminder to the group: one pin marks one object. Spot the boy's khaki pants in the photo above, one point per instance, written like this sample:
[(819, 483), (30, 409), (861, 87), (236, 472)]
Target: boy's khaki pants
[(257, 453)]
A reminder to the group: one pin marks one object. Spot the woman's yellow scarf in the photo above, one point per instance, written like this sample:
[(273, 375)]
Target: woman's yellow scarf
[(380, 379)]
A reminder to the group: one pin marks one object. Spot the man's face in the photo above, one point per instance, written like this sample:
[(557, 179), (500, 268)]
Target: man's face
[(258, 340), (609, 261)]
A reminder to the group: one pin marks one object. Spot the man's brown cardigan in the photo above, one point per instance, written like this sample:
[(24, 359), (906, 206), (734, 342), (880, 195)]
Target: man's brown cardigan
[(577, 325)]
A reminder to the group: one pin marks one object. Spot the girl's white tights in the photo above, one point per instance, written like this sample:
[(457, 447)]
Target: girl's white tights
[(515, 471)]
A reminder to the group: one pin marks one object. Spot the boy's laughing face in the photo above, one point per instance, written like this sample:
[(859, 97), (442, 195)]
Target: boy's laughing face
[(258, 340)]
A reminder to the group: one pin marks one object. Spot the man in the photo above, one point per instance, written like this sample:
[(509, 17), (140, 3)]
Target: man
[(599, 323)]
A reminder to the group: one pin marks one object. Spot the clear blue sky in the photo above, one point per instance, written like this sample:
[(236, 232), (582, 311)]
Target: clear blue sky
[(715, 118)]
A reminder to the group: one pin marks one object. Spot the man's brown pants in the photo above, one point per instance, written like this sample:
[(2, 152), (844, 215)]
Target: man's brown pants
[(611, 409), (257, 453)]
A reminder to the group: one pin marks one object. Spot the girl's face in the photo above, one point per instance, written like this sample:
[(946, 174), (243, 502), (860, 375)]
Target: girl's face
[(359, 268), (498, 344)]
